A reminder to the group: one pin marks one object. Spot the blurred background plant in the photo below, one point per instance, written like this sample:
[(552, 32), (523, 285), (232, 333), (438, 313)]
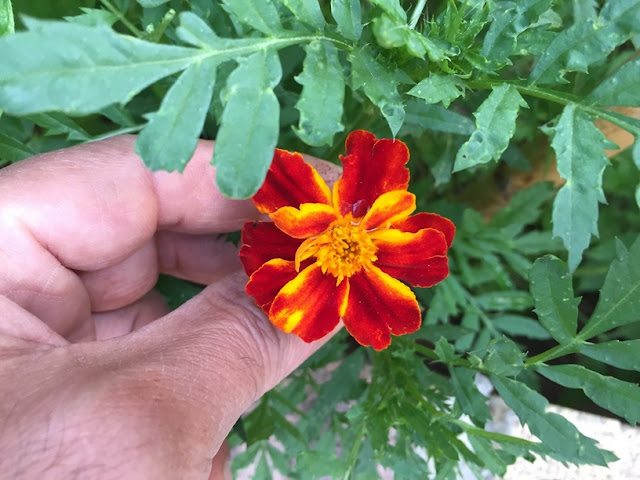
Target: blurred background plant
[(503, 105)]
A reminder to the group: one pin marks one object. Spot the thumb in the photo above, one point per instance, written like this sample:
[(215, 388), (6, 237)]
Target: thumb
[(207, 362)]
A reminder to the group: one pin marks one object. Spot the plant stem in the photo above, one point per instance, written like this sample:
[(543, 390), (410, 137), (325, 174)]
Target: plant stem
[(417, 12), (562, 99), (132, 28)]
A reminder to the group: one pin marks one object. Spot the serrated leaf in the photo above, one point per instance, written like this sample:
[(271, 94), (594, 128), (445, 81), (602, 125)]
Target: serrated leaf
[(348, 17), (619, 89), (587, 42), (168, 141), (379, 84), (552, 290), (495, 125), (80, 70), (620, 354), (59, 124), (581, 160), (12, 150), (307, 11), (7, 23), (520, 326), (395, 33), (262, 16), (619, 302), (322, 97), (620, 398), (472, 402), (249, 126), (437, 118), (489, 455), (92, 17), (504, 358), (445, 351), (510, 19), (438, 88), (559, 435)]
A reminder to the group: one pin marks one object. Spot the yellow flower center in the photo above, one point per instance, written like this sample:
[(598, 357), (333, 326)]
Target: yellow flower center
[(343, 250)]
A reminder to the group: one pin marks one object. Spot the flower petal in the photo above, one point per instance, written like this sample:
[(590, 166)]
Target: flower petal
[(263, 241), (388, 208), (378, 307), (427, 220), (310, 305), (418, 258), (310, 219), (268, 280), (371, 167), (290, 181)]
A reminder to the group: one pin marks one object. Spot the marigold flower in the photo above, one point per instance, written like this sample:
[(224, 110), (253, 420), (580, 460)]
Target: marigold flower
[(344, 254)]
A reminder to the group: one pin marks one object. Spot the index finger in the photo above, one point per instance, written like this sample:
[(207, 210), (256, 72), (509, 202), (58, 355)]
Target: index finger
[(93, 204)]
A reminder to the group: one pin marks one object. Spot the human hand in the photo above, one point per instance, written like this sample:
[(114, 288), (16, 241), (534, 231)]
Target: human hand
[(97, 378)]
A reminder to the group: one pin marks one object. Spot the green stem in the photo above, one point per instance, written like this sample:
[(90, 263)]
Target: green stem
[(555, 352), (355, 451), (417, 12), (132, 28), (562, 99)]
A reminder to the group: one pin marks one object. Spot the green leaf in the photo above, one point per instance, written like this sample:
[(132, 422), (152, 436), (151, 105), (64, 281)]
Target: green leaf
[(495, 125), (168, 141), (472, 402), (438, 88), (437, 118), (621, 88), (505, 300), (520, 326), (79, 69), (489, 455), (524, 208), (380, 84), (152, 3), (395, 33), (7, 24), (392, 8), (59, 124), (619, 302), (564, 440), (348, 17), (249, 126), (504, 358), (445, 351), (620, 398), (510, 19), (552, 290), (176, 291), (579, 148), (322, 97), (12, 150), (92, 17), (616, 353), (587, 42), (262, 15), (307, 11)]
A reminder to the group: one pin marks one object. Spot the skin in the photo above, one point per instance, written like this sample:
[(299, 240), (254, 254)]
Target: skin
[(97, 378)]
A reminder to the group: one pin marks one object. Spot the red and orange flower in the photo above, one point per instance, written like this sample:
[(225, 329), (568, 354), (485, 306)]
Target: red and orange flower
[(344, 254)]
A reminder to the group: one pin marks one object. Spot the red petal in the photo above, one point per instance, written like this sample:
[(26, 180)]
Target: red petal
[(310, 219), (263, 241), (427, 220), (388, 208), (378, 307), (290, 182), (268, 280), (371, 167), (310, 305), (417, 258)]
